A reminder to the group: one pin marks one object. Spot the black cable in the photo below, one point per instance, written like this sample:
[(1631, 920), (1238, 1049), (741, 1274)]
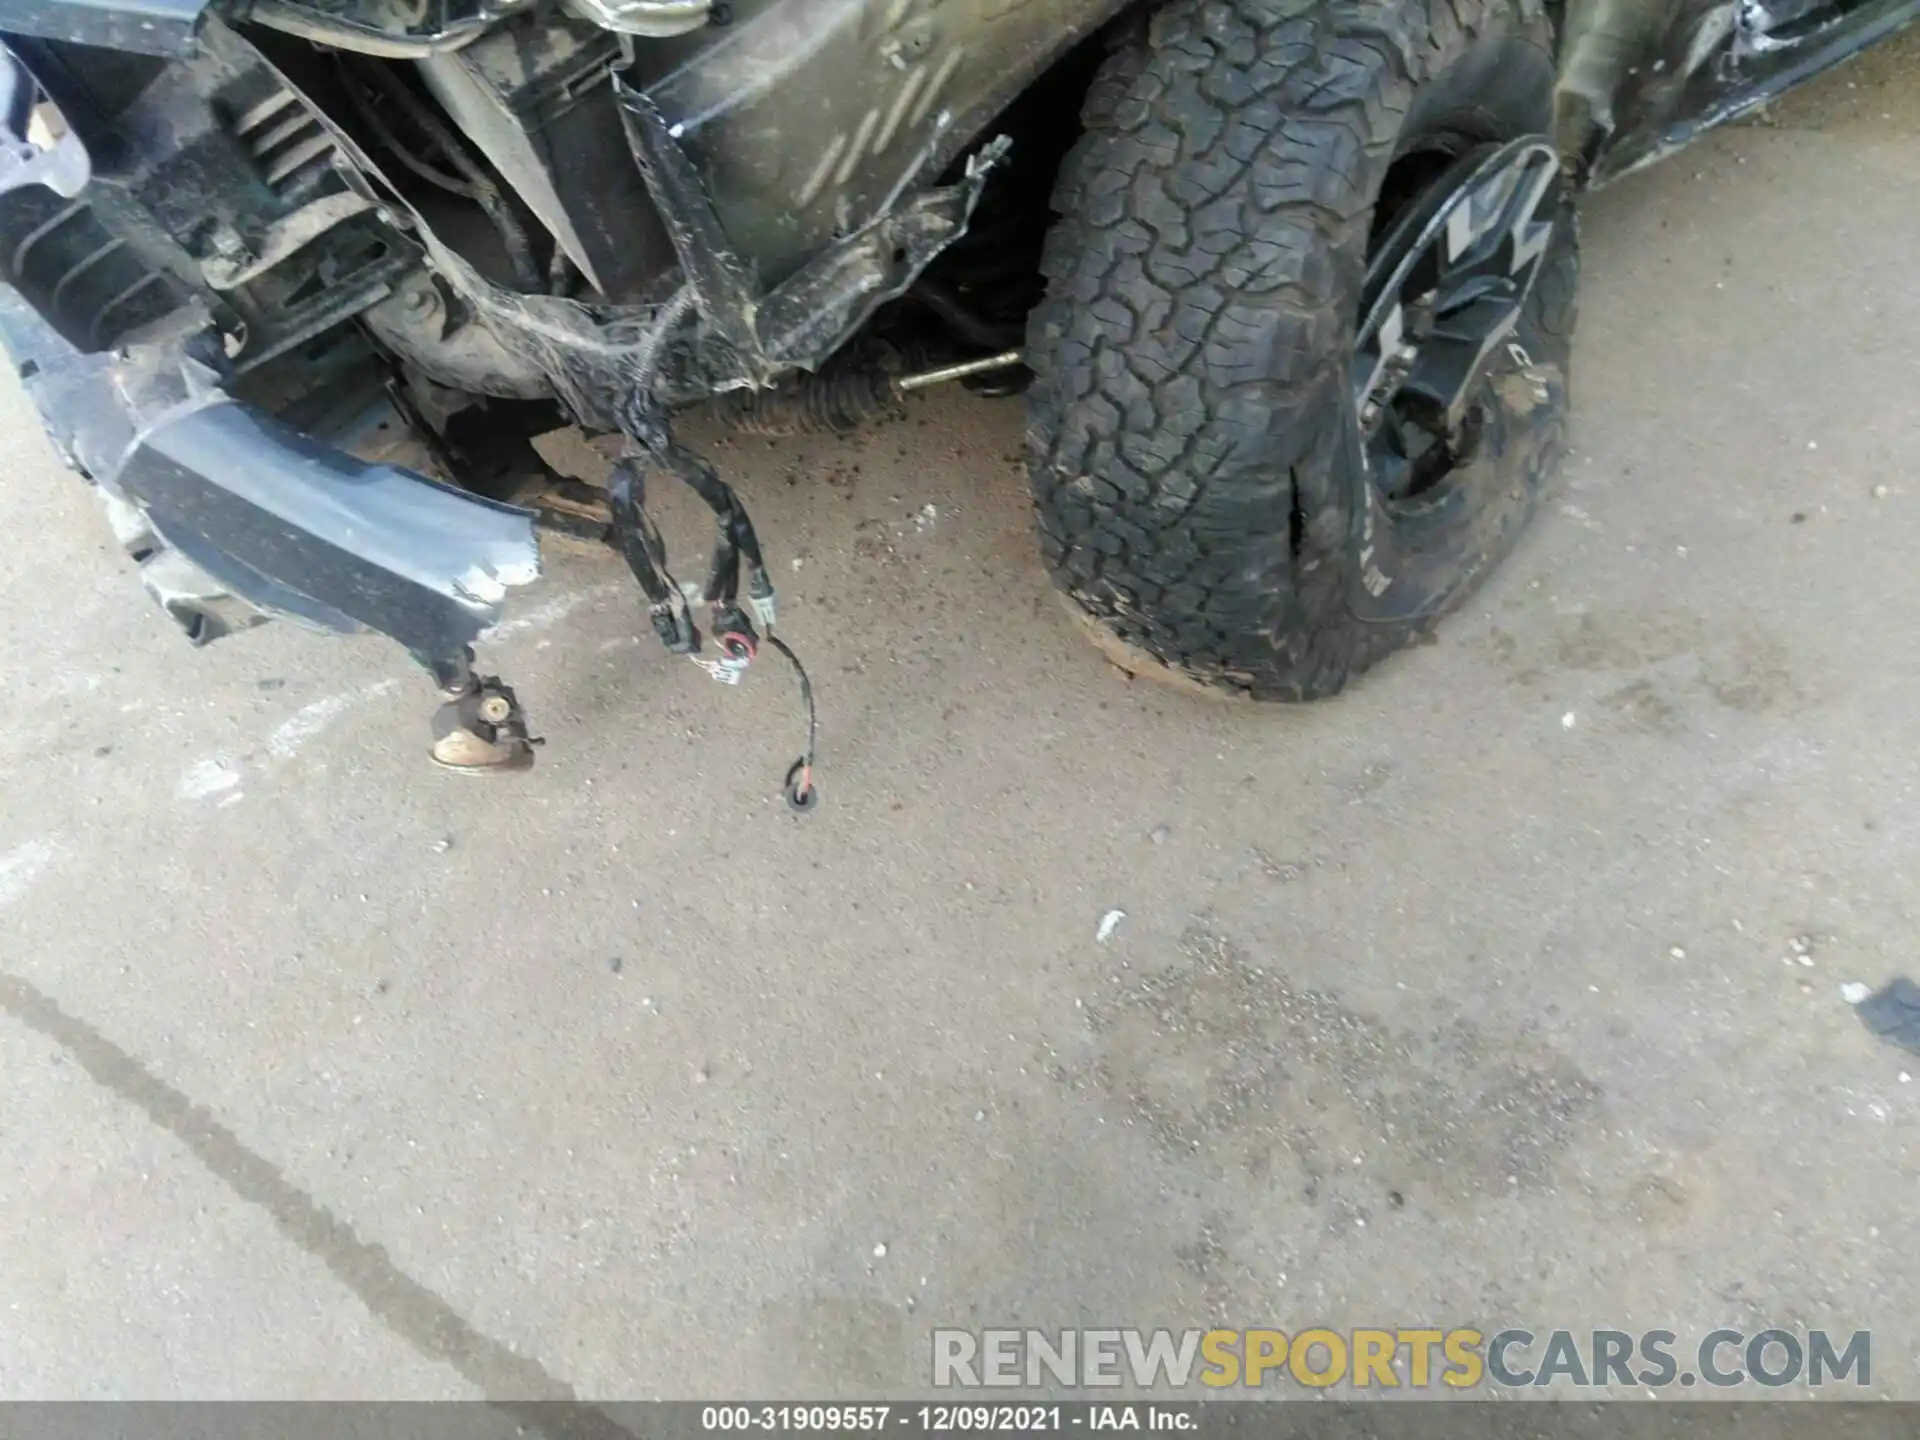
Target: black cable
[(645, 552), (653, 342), (647, 426), (513, 238), (643, 421), (363, 106), (638, 536), (737, 535), (962, 320), (478, 185), (802, 795)]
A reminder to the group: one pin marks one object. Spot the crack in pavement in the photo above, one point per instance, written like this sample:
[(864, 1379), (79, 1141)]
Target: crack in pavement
[(400, 1302)]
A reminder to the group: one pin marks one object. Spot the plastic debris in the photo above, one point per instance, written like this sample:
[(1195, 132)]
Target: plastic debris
[(1893, 1014)]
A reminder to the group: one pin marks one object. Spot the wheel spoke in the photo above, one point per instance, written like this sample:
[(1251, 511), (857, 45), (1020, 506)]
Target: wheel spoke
[(1495, 227), (1444, 293)]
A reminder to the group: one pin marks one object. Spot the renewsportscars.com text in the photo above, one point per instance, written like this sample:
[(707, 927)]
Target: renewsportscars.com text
[(1406, 1357)]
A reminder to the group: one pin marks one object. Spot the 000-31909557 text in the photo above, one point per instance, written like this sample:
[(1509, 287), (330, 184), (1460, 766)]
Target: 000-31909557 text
[(931, 1419)]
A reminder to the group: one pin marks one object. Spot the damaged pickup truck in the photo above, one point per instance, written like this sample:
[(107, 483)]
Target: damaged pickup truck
[(1287, 287)]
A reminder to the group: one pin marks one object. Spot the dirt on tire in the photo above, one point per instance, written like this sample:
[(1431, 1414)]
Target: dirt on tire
[(1191, 425)]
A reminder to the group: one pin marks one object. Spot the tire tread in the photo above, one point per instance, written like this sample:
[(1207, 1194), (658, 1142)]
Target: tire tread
[(1185, 422)]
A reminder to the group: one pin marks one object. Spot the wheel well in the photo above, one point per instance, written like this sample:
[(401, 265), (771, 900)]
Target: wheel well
[(995, 266)]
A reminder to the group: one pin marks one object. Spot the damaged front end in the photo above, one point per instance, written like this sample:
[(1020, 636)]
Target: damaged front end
[(230, 515), (222, 275)]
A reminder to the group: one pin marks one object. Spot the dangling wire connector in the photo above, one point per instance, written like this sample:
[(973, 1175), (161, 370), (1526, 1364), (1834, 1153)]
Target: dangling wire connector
[(802, 793), (649, 432), (760, 598)]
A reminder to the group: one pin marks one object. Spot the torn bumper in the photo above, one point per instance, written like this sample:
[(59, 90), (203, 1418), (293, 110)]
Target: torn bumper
[(232, 517)]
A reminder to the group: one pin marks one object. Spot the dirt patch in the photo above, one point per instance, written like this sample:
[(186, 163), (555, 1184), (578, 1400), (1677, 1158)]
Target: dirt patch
[(1228, 1063)]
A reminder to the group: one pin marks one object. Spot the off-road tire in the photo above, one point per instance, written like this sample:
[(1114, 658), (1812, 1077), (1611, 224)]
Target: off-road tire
[(1192, 439)]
